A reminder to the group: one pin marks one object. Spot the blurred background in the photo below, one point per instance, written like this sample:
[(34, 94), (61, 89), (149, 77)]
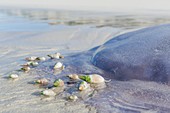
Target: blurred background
[(91, 5)]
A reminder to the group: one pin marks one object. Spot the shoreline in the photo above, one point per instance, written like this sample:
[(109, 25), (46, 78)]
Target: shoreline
[(134, 11)]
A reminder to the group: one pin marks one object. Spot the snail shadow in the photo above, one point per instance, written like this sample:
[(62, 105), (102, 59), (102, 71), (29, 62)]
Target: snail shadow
[(5, 77), (37, 93), (31, 82), (38, 85), (10, 79)]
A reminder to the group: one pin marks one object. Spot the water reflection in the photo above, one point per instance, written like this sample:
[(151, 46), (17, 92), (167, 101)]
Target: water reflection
[(72, 18)]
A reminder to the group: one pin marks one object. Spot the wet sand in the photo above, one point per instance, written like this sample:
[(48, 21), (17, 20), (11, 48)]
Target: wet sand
[(28, 33)]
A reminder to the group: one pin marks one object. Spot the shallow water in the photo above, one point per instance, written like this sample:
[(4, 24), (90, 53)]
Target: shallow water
[(28, 32)]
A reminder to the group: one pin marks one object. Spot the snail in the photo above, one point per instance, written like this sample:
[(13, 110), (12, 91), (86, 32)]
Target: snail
[(32, 58), (58, 66), (34, 63), (13, 76), (42, 81), (94, 78), (58, 83), (55, 56), (41, 58), (25, 68), (48, 92), (30, 63), (74, 76), (73, 97)]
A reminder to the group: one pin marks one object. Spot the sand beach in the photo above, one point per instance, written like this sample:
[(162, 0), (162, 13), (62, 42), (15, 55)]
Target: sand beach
[(29, 31)]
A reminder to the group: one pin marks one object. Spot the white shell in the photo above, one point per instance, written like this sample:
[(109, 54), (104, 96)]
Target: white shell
[(95, 78), (28, 63), (31, 58), (14, 76), (74, 76), (31, 63), (42, 81), (73, 97), (26, 68), (41, 58), (58, 54), (58, 65), (48, 92), (34, 64), (55, 56)]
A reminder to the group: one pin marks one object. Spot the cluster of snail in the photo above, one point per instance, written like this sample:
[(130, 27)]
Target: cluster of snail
[(83, 84), (34, 61)]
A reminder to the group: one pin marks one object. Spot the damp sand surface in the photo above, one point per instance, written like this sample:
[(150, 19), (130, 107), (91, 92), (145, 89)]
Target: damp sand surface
[(27, 32)]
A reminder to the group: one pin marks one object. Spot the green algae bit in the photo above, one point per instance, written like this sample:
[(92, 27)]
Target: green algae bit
[(58, 83), (23, 69), (83, 82), (41, 93), (37, 82), (86, 78)]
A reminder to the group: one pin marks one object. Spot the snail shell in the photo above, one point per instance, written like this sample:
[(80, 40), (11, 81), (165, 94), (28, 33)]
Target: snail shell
[(58, 83), (13, 76), (73, 97), (42, 81), (25, 68), (74, 76), (95, 78), (41, 58), (48, 92), (55, 56), (30, 63), (59, 65), (32, 58), (34, 63)]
